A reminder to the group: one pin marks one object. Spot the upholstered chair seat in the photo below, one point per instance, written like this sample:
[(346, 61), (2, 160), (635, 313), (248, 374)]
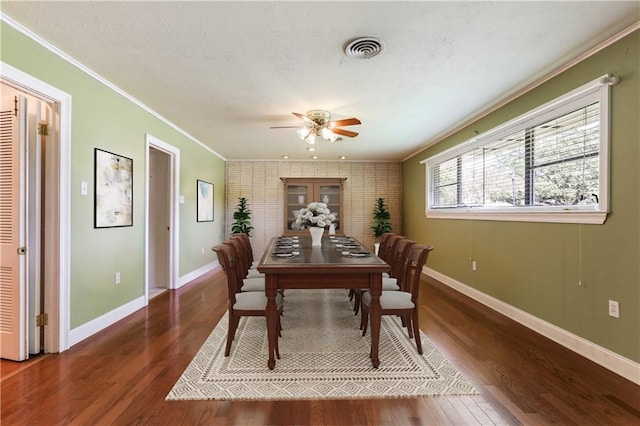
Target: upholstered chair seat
[(253, 273), (254, 301), (397, 255), (391, 300), (242, 303), (252, 284), (402, 302), (390, 284)]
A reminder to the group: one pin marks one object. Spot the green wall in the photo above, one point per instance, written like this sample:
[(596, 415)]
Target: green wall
[(104, 119), (536, 267)]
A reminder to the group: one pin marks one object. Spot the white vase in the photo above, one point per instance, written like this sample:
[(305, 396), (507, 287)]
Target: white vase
[(316, 236), (332, 229)]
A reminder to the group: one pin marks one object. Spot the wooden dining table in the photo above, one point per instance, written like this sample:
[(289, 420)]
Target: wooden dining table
[(332, 265)]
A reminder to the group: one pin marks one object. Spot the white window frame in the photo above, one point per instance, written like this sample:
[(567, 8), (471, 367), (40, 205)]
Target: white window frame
[(597, 90)]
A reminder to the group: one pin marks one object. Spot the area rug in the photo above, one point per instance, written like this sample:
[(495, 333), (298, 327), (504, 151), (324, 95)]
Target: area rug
[(322, 356)]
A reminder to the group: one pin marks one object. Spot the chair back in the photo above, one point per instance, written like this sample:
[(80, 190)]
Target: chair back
[(246, 243), (391, 249), (239, 254), (383, 249), (227, 261), (416, 259), (400, 258)]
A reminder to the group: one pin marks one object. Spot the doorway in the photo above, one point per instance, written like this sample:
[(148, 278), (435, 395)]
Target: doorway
[(161, 224), (42, 217)]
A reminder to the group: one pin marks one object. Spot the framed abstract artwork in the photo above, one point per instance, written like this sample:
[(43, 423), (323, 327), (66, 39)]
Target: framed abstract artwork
[(205, 201), (113, 192)]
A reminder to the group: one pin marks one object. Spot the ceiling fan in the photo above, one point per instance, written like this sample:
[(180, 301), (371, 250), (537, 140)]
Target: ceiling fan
[(318, 123)]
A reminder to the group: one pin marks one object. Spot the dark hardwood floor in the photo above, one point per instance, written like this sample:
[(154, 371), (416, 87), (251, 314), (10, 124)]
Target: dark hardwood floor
[(122, 375)]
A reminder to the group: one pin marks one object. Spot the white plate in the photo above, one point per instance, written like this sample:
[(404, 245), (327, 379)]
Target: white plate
[(358, 254)]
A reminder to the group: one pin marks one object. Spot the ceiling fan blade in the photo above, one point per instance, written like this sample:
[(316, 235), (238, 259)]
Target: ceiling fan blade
[(303, 117), (343, 132), (345, 122)]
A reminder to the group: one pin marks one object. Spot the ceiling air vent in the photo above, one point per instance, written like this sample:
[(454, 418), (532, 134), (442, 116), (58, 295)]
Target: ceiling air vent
[(364, 48)]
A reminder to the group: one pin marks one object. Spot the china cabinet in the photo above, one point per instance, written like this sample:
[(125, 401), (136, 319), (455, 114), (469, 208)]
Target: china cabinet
[(299, 192)]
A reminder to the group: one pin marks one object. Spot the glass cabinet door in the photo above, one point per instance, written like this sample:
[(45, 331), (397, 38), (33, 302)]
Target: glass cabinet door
[(330, 195), (298, 196), (299, 192)]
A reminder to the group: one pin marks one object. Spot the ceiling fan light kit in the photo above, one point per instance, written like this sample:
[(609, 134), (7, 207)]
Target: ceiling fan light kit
[(318, 124)]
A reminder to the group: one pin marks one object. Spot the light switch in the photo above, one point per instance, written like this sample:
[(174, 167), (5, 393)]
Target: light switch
[(182, 199), (84, 188)]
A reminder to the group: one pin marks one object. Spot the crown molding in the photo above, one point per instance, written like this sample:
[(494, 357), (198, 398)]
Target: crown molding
[(56, 51), (492, 108)]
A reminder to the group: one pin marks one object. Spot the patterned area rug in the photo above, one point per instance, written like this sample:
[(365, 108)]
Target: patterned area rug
[(323, 356)]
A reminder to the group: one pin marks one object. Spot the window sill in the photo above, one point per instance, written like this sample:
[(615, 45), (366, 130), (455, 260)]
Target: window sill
[(556, 216)]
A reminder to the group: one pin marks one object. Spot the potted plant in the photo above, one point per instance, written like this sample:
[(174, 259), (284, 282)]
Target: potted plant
[(381, 218), (242, 218)]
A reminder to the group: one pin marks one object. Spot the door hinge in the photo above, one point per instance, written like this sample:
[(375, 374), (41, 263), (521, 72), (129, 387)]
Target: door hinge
[(42, 319), (43, 129), (22, 250)]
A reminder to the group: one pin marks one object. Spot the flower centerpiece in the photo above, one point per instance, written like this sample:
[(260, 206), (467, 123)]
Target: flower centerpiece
[(316, 217), (315, 214)]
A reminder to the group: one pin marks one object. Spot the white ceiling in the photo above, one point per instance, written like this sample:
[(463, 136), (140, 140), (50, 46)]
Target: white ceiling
[(224, 72)]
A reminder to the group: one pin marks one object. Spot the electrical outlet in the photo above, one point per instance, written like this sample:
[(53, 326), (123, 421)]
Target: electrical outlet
[(84, 188), (614, 309), (474, 266), (117, 277), (202, 250)]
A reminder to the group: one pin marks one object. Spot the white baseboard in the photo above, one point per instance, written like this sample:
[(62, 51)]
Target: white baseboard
[(185, 279), (620, 365), (90, 328)]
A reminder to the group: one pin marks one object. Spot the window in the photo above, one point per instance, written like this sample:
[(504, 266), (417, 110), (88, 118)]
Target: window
[(548, 165)]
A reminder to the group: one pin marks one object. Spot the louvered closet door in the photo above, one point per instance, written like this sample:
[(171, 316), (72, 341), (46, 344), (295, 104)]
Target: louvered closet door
[(12, 279)]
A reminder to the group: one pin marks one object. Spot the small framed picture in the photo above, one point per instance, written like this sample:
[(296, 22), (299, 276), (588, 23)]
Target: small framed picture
[(205, 201), (113, 192)]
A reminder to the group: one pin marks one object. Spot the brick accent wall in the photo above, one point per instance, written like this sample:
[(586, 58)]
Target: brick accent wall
[(259, 182)]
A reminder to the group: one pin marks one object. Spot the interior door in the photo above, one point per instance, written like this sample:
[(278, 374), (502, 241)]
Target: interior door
[(13, 272), (159, 219), (37, 129)]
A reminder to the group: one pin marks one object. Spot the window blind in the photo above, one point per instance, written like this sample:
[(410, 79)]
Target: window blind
[(552, 157)]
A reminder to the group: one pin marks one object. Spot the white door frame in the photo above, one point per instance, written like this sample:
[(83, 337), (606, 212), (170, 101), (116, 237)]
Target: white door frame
[(57, 340), (174, 179)]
